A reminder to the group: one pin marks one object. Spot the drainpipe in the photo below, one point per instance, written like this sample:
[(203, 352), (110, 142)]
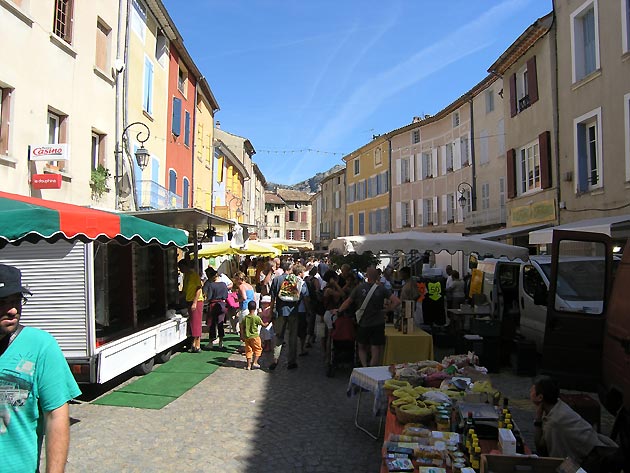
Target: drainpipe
[(194, 128), (556, 115), (120, 44)]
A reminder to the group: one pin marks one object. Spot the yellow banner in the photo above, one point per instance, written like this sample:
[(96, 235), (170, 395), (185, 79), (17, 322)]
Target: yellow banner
[(542, 211)]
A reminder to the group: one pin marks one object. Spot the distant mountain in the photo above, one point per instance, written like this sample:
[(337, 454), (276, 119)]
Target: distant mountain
[(308, 185)]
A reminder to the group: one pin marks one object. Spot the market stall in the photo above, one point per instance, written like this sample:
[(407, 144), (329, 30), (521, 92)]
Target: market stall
[(406, 347)]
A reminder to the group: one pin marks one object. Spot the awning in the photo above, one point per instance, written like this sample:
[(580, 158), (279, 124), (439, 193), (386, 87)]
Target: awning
[(189, 219), (251, 247), (615, 227), (285, 243), (504, 233), (31, 219), (424, 241)]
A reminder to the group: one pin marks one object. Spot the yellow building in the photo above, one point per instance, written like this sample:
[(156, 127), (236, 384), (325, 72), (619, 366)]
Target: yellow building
[(367, 184), (204, 148)]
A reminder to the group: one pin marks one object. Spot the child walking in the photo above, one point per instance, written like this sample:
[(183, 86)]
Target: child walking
[(266, 336), (249, 334)]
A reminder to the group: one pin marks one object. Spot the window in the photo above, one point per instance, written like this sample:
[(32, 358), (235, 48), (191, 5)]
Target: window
[(276, 219), (449, 156), (416, 136), (588, 151), (625, 25), (147, 91), (405, 214), (187, 128), (292, 216), (337, 199), (351, 225), (139, 19), (426, 165), (62, 24), (103, 38), (291, 234), (427, 212), (303, 235), (524, 87), (57, 129), (361, 223), (185, 192), (522, 92), (350, 193), (404, 170), (5, 115), (485, 195), (465, 151), (98, 150), (378, 157), (276, 233), (502, 192), (585, 40), (182, 79), (451, 211), (357, 167), (489, 101), (528, 169), (172, 182), (161, 48), (383, 183), (361, 190), (455, 119)]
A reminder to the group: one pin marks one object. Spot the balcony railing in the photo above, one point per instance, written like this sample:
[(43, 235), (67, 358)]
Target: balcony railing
[(485, 217), (153, 196), (523, 103)]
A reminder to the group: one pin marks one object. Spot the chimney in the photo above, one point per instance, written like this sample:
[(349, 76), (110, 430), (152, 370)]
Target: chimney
[(416, 119), (217, 125)]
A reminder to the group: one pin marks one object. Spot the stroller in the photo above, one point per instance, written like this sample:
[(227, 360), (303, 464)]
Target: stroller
[(341, 344)]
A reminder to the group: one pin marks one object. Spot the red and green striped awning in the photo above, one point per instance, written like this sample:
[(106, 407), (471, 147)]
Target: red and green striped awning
[(31, 219)]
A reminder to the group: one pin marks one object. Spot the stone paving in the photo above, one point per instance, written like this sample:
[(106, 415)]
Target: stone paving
[(251, 421)]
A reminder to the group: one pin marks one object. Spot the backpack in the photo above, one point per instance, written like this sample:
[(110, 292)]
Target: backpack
[(290, 289)]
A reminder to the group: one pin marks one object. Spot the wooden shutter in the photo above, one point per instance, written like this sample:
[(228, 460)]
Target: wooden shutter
[(420, 221), (544, 145), (443, 160), (398, 171), (434, 162), (444, 209), (303, 217), (176, 125), (513, 109), (398, 215), (457, 154), (419, 167), (286, 216), (511, 175), (532, 80), (412, 158), (435, 210)]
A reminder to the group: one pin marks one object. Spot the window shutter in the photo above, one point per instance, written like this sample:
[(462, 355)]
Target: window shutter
[(419, 209), (460, 209), (307, 233), (434, 162), (176, 125), (411, 214), (303, 217), (398, 171), (513, 109), (511, 176), (443, 161), (582, 171), (419, 170), (532, 80), (288, 234), (286, 219), (398, 215), (187, 129), (435, 210), (544, 144), (457, 154), (412, 162), (444, 210)]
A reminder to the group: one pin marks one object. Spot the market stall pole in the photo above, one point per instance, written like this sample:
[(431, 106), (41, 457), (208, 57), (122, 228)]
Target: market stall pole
[(370, 379)]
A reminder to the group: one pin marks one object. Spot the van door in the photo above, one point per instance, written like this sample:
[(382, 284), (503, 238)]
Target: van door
[(533, 311), (578, 295)]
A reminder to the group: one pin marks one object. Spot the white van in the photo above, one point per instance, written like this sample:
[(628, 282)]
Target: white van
[(519, 289)]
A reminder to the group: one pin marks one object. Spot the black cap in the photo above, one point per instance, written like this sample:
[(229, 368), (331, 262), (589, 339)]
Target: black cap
[(11, 281)]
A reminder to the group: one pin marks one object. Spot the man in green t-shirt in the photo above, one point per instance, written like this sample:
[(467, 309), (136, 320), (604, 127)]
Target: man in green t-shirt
[(35, 387)]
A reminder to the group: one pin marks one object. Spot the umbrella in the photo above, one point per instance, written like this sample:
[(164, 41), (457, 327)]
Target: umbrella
[(251, 247), (284, 244), (424, 241), (31, 219)]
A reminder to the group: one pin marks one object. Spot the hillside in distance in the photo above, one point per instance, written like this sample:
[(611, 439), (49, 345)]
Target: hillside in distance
[(309, 185)]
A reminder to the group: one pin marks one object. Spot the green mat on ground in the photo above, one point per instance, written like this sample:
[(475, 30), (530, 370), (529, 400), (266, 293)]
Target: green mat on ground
[(170, 380)]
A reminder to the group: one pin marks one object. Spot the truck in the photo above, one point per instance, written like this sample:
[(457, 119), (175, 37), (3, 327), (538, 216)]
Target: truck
[(105, 285)]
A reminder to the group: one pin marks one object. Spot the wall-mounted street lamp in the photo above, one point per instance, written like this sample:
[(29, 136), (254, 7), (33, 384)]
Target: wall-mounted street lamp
[(142, 154), (461, 187)]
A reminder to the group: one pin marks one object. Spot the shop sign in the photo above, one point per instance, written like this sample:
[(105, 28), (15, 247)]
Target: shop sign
[(537, 212), (49, 152), (46, 181)]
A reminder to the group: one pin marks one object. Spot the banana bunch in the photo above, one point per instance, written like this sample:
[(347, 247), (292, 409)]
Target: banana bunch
[(417, 409), (401, 401), (394, 384)]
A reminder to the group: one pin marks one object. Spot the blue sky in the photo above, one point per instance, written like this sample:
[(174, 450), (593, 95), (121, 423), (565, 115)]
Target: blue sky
[(323, 75)]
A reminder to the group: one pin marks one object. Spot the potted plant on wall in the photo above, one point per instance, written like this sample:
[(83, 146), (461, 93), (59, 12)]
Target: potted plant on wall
[(98, 181)]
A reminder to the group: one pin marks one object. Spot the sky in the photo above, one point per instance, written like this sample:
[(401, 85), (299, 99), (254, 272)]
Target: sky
[(310, 81)]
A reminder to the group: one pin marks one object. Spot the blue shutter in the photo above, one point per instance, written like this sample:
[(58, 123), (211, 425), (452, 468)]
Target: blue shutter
[(582, 170), (176, 125), (185, 193), (172, 181), (187, 130), (147, 100)]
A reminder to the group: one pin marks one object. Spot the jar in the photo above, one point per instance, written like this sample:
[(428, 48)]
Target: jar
[(443, 423)]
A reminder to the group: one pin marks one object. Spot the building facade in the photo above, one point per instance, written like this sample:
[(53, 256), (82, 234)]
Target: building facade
[(207, 106), (329, 210), (367, 188), (275, 216), (297, 216)]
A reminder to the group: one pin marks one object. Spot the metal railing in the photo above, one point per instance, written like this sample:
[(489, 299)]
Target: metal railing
[(153, 196), (480, 218)]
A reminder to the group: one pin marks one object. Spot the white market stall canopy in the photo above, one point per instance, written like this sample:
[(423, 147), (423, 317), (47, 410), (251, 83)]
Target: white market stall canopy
[(283, 243), (616, 227), (423, 241)]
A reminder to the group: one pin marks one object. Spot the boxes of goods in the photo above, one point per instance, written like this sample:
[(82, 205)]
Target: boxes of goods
[(507, 442), (510, 464)]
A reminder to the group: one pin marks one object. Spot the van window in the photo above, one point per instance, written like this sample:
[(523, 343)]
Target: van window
[(508, 276), (532, 280), (580, 281)]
